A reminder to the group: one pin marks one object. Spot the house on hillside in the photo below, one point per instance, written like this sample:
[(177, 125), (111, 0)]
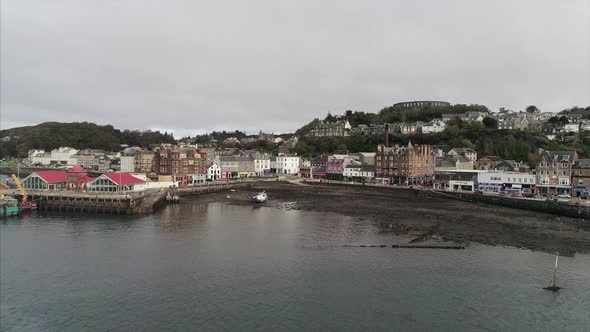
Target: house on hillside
[(492, 163)]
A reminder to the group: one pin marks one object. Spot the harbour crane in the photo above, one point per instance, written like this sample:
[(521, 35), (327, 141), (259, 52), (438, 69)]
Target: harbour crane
[(20, 188), (25, 203)]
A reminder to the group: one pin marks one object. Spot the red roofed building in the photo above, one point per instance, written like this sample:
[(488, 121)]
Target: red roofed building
[(77, 178), (45, 180), (116, 182)]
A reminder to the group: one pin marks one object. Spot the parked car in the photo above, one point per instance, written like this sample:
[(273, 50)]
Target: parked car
[(528, 193), (564, 195), (585, 195)]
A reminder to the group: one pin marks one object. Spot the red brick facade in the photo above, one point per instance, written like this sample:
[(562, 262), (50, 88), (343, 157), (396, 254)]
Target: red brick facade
[(179, 161), (412, 163)]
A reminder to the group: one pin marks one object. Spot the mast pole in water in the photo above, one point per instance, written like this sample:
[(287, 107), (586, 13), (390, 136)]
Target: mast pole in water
[(555, 270)]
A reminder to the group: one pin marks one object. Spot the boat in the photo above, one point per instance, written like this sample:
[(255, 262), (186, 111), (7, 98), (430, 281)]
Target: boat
[(9, 207), (261, 197), (553, 284), (172, 199)]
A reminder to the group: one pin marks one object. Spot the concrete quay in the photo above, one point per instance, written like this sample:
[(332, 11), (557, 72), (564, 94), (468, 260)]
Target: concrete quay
[(131, 203)]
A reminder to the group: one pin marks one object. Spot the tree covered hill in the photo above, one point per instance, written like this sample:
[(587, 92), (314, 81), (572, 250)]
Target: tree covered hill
[(507, 144), (80, 135), (392, 114)]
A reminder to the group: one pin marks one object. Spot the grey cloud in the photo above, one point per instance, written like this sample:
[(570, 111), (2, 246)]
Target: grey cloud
[(195, 66)]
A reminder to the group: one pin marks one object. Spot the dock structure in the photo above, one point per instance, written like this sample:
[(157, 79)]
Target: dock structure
[(131, 203)]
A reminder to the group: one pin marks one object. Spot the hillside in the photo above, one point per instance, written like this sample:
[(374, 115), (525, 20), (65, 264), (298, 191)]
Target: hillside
[(391, 114), (80, 135), (507, 144)]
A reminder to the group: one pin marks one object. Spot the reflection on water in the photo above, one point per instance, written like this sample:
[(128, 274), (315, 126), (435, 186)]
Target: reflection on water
[(197, 266)]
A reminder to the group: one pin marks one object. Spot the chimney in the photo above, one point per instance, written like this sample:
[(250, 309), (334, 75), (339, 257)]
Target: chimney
[(387, 135)]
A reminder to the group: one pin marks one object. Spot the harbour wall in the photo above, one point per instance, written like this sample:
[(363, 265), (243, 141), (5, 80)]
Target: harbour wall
[(567, 209), (136, 203)]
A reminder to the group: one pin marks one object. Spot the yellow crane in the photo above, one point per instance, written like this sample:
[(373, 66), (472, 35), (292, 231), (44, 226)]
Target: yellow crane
[(20, 187)]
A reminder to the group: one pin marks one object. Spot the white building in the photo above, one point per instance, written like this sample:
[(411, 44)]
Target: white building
[(39, 157), (434, 126), (410, 127), (64, 156), (214, 172), (127, 164), (261, 163), (198, 179), (496, 181), (468, 153), (287, 164), (571, 127), (358, 171)]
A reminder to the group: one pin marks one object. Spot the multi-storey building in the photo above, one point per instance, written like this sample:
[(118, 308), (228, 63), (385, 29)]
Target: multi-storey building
[(337, 128), (581, 177), (287, 164), (358, 172), (61, 156), (336, 165), (261, 163), (554, 172), (366, 158), (468, 153), (492, 163), (517, 121), (434, 126), (411, 164), (453, 162), (87, 160), (143, 162), (127, 164), (497, 181), (237, 166), (172, 161), (214, 171)]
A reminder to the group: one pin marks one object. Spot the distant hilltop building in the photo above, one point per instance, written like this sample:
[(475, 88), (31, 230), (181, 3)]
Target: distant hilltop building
[(337, 128), (422, 103)]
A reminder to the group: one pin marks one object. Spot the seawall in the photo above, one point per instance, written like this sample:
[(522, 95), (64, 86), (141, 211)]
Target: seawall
[(566, 209)]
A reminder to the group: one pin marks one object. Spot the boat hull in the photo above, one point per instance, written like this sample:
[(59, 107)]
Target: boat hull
[(10, 211)]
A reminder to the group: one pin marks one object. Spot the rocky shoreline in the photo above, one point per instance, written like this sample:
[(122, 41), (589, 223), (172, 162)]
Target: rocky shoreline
[(422, 217)]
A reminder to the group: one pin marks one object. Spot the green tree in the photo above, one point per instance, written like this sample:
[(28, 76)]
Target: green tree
[(532, 109), (490, 123)]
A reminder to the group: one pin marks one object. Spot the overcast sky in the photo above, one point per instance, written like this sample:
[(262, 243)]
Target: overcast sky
[(196, 66)]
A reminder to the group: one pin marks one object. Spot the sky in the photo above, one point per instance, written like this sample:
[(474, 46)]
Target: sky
[(192, 67)]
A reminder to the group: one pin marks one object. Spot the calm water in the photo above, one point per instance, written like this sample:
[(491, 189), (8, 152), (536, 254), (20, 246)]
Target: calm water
[(213, 266)]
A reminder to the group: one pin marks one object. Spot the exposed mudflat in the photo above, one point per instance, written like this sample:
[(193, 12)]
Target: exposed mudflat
[(421, 216)]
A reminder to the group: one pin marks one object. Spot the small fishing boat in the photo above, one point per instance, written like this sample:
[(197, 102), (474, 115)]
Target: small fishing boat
[(172, 199), (261, 197), (553, 284), (9, 207)]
